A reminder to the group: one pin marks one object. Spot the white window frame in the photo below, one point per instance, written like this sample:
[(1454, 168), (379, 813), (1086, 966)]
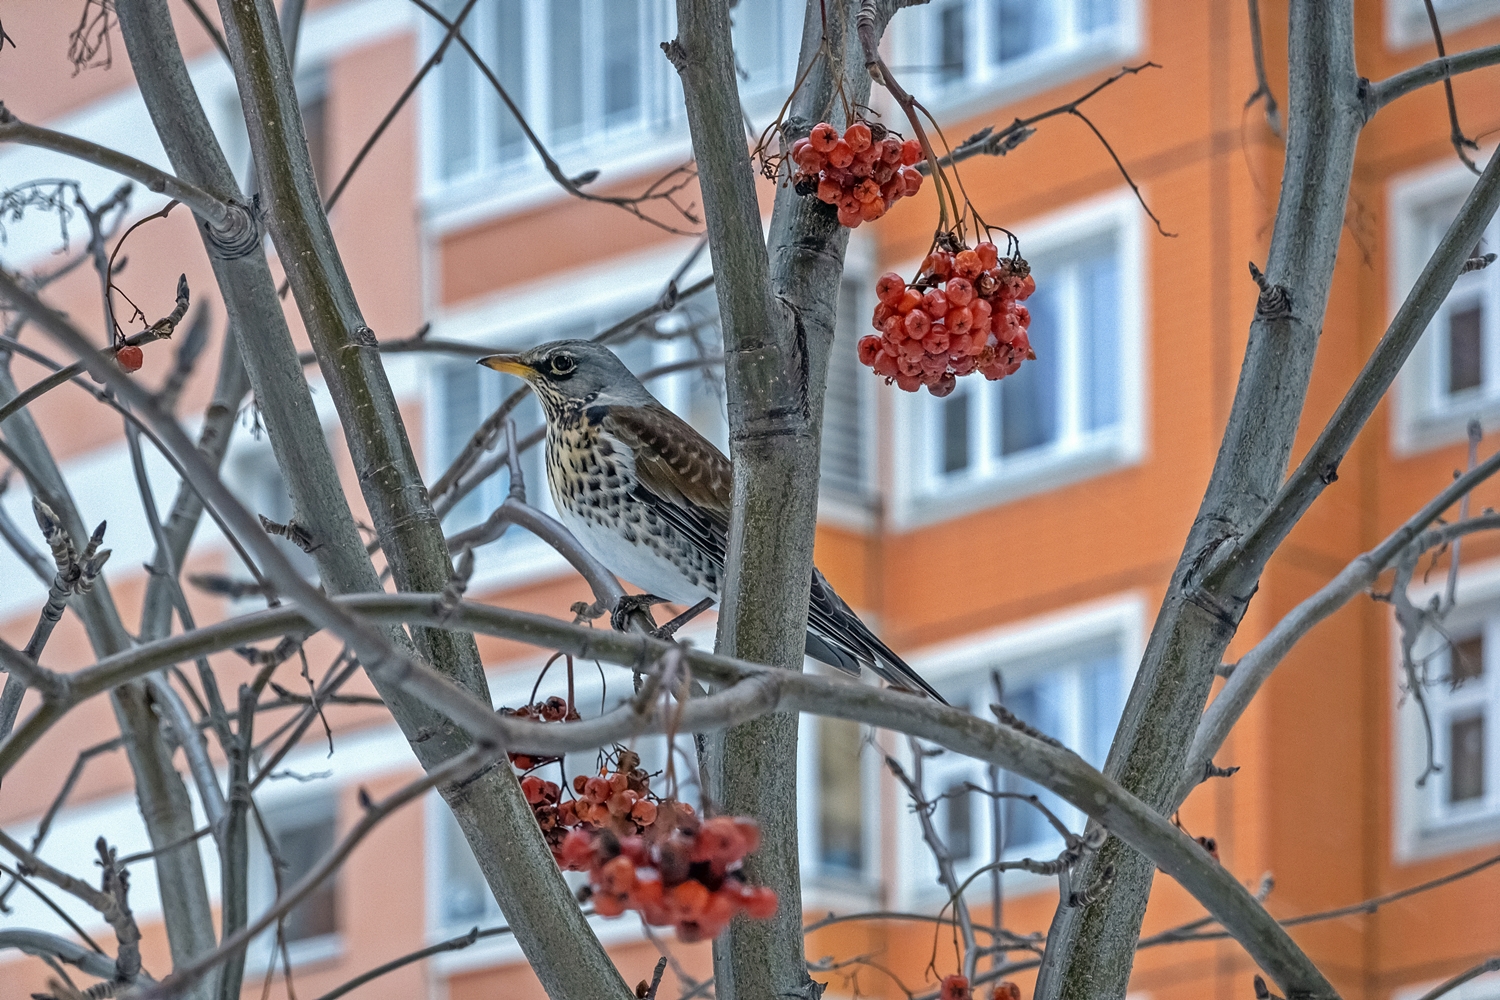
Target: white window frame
[(655, 143), (922, 497), (1485, 987), (1406, 24), (1423, 826), (1120, 620), (1424, 417), (986, 84)]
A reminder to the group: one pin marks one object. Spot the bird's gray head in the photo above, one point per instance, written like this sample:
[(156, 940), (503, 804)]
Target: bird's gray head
[(572, 373)]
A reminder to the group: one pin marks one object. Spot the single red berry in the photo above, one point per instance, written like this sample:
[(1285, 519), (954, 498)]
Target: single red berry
[(858, 137), (911, 152), (578, 782), (960, 291), (938, 264), (869, 349), (890, 150), (130, 358), (823, 137), (1028, 285), (829, 191), (911, 180), (910, 299), (918, 323), (1006, 990), (531, 787), (889, 289), (841, 155), (989, 254), (935, 303), (908, 383)]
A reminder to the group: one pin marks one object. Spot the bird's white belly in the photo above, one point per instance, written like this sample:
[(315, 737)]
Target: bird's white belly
[(632, 561)]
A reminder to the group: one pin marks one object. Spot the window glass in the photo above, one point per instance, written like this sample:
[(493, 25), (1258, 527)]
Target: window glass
[(952, 40), (757, 43), (1465, 348), (845, 432), (300, 836), (1466, 748), (457, 105), (840, 795), (510, 67), (1028, 399), (1099, 336), (565, 92), (1016, 28), (956, 445), (622, 59)]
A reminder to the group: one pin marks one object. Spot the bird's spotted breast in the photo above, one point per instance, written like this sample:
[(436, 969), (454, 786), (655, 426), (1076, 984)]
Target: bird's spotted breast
[(593, 484)]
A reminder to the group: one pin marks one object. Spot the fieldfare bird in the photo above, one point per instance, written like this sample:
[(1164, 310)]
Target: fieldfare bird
[(649, 497)]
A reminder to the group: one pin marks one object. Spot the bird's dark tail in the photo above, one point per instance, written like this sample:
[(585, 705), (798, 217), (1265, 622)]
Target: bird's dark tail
[(837, 637)]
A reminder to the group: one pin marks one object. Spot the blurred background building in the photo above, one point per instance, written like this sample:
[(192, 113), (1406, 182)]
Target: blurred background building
[(1022, 530)]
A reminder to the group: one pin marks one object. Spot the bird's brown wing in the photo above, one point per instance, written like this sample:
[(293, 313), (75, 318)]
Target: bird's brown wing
[(687, 481), (682, 475)]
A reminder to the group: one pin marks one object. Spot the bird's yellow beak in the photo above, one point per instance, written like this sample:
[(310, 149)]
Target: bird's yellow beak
[(510, 364)]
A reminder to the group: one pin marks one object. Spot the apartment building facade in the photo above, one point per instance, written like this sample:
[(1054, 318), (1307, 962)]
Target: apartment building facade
[(1022, 530)]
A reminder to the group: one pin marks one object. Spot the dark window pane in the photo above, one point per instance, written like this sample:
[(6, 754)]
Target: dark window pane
[(1029, 398), (1466, 770), (1016, 28), (1467, 660), (956, 432), (840, 795), (951, 43), (622, 59), (510, 67), (567, 68), (1465, 349), (301, 847), (959, 831)]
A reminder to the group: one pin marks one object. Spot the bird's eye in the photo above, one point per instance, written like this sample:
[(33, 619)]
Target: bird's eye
[(563, 364)]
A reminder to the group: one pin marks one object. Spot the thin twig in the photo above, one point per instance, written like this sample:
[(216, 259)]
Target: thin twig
[(1461, 143)]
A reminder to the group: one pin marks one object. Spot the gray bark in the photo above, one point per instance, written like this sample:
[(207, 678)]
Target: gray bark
[(1090, 951)]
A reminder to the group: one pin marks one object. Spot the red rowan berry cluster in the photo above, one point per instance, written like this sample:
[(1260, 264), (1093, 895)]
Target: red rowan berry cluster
[(862, 173), (130, 358), (642, 852), (962, 314), (686, 875)]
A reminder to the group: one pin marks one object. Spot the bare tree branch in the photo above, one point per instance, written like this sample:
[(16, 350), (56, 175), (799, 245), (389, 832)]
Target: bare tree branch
[(1403, 83)]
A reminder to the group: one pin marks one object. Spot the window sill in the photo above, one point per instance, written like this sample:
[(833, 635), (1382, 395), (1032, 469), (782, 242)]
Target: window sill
[(1450, 837), (303, 954), (1025, 477), (1436, 428)]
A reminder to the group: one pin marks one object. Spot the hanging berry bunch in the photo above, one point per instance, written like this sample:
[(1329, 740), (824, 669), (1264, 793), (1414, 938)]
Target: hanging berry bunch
[(862, 172), (962, 314), (643, 852), (682, 872)]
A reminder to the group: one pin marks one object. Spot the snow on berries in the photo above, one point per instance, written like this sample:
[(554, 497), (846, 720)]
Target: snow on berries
[(962, 314), (130, 358), (862, 172), (643, 853)]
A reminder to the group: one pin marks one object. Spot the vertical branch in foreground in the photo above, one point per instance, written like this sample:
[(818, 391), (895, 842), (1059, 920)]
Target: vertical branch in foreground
[(490, 809), (1090, 949), (778, 318)]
